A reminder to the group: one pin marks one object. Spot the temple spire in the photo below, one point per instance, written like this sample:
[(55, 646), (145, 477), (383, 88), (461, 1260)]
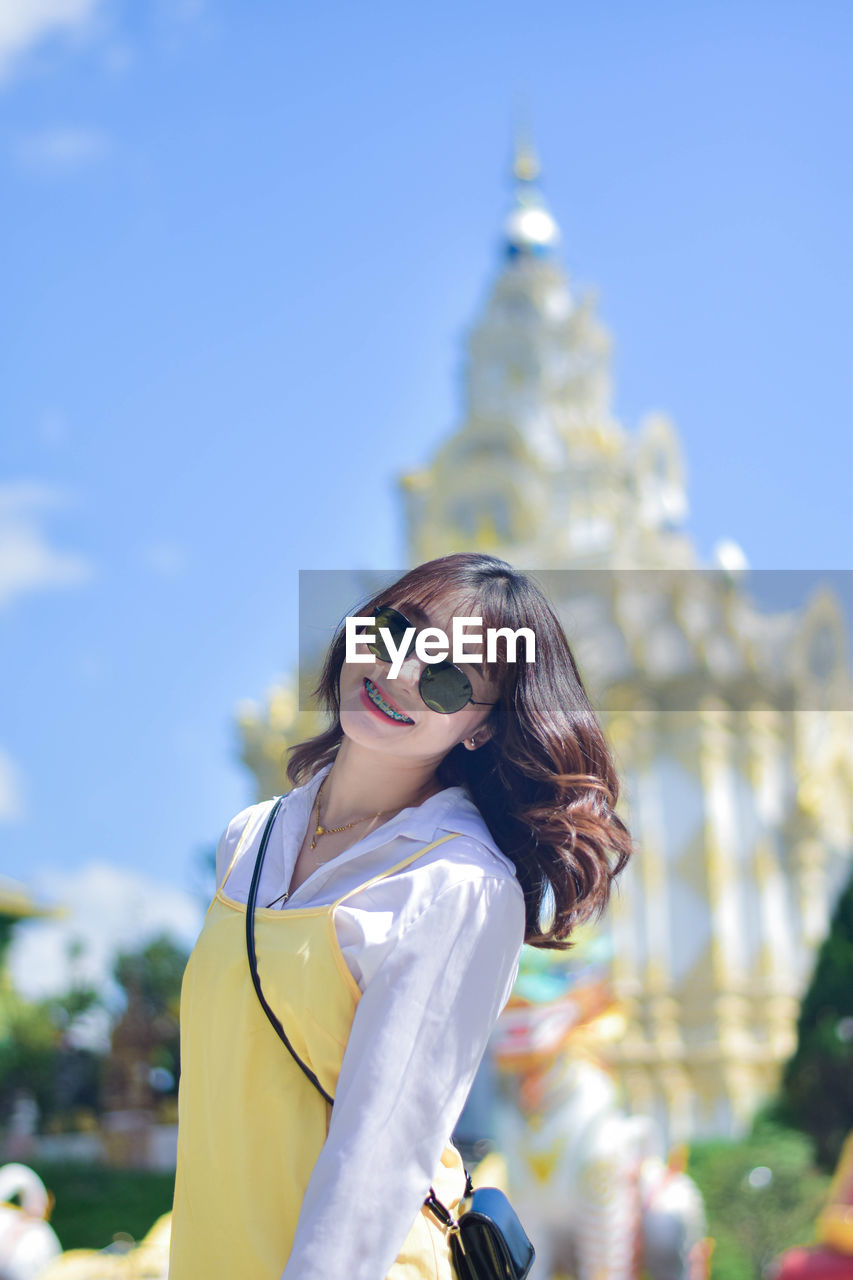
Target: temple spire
[(529, 229), (525, 161)]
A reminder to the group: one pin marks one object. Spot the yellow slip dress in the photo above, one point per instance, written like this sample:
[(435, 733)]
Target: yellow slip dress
[(250, 1125)]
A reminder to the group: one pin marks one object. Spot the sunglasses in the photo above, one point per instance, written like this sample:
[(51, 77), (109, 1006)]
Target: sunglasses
[(443, 687)]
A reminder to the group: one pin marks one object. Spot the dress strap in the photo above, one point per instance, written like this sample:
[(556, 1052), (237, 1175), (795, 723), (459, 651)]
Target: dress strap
[(413, 857)]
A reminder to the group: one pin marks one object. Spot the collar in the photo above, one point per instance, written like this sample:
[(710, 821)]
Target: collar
[(452, 809)]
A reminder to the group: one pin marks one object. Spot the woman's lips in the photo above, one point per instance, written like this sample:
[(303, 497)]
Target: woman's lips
[(377, 711)]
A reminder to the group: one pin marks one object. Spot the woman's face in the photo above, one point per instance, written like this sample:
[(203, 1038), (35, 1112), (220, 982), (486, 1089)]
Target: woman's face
[(424, 734)]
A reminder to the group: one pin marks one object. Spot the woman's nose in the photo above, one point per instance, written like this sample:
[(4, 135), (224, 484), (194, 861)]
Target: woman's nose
[(410, 671)]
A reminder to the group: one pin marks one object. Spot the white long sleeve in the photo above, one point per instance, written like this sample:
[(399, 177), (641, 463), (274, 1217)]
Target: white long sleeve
[(416, 1041)]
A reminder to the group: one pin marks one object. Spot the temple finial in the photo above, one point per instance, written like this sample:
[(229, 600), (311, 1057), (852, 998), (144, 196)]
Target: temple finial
[(525, 162), (529, 230)]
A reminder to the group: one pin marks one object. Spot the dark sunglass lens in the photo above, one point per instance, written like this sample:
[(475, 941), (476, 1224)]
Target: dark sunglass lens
[(445, 689)]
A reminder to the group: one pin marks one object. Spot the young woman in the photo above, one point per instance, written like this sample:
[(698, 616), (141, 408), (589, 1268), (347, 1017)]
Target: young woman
[(444, 817)]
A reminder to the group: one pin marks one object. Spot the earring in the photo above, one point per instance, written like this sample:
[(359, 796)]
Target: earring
[(473, 742)]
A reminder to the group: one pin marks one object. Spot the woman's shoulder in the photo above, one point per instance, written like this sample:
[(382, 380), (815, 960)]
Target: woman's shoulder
[(247, 818), (465, 883), (473, 842), (476, 854), (240, 833), (471, 852)]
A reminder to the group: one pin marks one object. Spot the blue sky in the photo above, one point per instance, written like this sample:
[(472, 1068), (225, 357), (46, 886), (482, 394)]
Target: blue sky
[(243, 245)]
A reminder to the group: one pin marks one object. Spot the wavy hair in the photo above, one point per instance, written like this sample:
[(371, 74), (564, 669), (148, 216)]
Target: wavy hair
[(545, 781)]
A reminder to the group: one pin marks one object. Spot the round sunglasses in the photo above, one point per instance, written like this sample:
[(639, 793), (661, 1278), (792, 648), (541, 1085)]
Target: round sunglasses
[(443, 687)]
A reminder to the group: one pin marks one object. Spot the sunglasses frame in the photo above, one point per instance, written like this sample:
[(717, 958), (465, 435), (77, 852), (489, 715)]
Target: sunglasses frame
[(430, 670)]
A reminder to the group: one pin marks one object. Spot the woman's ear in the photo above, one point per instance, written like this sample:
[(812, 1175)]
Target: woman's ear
[(478, 737)]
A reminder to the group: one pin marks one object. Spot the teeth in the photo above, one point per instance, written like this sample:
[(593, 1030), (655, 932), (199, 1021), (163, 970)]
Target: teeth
[(376, 697)]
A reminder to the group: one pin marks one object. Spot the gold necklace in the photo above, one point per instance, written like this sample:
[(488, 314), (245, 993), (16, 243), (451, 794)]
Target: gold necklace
[(324, 831), (330, 831)]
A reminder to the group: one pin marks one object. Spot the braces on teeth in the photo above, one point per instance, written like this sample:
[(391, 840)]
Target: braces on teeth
[(376, 697)]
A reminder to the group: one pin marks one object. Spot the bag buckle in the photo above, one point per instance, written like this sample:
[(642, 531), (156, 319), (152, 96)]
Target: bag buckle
[(447, 1220)]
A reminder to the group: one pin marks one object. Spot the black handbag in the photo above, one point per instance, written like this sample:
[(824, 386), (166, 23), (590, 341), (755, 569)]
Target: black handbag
[(487, 1241)]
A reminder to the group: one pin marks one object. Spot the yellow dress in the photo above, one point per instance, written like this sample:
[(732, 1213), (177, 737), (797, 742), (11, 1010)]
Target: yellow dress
[(250, 1124)]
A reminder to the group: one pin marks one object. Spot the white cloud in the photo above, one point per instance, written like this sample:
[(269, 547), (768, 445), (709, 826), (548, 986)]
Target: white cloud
[(108, 909), (27, 560), (26, 23), (62, 149), (11, 790)]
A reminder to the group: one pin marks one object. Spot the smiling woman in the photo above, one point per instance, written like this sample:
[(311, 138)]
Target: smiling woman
[(445, 815)]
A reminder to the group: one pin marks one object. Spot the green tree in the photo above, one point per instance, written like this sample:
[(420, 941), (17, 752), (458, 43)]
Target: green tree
[(151, 979), (38, 1053), (816, 1093), (762, 1195)]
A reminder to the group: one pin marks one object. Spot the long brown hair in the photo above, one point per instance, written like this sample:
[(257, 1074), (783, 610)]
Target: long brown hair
[(545, 781)]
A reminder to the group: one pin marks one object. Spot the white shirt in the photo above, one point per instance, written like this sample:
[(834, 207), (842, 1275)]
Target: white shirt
[(434, 949)]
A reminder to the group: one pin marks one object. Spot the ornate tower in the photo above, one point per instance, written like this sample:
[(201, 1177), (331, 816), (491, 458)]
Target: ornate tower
[(539, 466), (709, 703)]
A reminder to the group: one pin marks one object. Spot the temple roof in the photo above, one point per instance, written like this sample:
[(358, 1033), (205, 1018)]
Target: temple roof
[(16, 901)]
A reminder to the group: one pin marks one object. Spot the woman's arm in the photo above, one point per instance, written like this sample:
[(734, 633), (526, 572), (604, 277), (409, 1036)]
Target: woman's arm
[(419, 1033)]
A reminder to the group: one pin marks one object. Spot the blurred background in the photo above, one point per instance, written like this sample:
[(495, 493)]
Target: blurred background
[(322, 291)]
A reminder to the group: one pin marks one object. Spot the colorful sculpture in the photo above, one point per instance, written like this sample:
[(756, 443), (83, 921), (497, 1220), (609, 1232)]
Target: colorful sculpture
[(590, 1183), (147, 1260), (27, 1242)]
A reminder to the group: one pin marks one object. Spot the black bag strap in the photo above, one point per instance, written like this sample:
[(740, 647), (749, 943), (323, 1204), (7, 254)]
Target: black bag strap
[(432, 1202), (253, 963)]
